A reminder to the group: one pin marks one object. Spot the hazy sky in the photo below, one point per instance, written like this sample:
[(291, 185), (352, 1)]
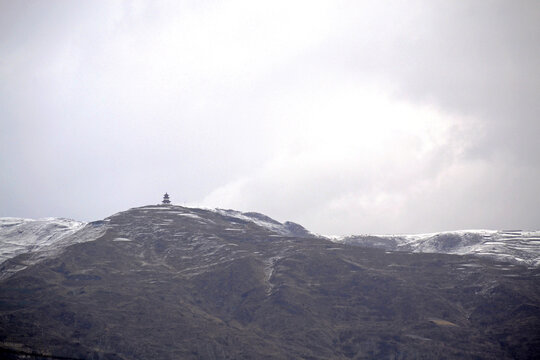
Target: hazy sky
[(345, 116)]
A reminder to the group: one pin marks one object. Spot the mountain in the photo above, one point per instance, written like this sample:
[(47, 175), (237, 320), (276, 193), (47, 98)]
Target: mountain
[(169, 282), (35, 240), (514, 246)]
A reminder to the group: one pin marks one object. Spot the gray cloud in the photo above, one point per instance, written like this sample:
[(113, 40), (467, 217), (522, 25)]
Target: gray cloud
[(475, 58), (347, 117)]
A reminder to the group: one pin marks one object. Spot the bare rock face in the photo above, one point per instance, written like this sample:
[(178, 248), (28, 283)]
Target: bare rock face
[(168, 282)]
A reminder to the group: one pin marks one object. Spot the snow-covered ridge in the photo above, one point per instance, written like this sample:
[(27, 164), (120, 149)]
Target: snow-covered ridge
[(287, 228), (19, 236), (47, 237), (516, 246), (41, 238)]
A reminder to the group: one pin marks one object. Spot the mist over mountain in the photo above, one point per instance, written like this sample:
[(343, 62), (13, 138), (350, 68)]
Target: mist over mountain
[(170, 282)]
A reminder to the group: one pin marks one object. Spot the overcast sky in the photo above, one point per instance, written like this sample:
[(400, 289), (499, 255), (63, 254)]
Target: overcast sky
[(344, 116)]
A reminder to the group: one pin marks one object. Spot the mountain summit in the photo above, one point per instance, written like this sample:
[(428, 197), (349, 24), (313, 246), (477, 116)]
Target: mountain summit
[(169, 282)]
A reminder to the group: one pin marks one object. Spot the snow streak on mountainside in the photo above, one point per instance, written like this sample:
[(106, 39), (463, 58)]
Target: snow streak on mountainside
[(40, 239), (169, 282), (287, 228), (26, 235), (43, 238), (516, 246)]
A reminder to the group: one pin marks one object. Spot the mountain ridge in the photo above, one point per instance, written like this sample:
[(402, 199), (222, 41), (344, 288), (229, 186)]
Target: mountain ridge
[(168, 282), (41, 236)]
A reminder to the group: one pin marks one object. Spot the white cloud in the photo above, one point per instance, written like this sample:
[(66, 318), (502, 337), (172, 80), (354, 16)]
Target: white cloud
[(358, 156), (346, 116)]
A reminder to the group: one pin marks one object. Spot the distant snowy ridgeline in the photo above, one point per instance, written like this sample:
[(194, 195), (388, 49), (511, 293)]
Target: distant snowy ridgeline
[(516, 246), (41, 238)]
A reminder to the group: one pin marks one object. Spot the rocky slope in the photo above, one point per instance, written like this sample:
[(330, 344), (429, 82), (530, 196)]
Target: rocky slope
[(168, 282)]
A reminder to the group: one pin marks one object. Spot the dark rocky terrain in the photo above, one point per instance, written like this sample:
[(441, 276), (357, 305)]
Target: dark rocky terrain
[(167, 282)]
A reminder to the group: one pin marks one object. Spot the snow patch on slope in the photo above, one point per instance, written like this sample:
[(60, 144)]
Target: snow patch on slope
[(285, 229), (19, 236), (516, 246), (40, 239)]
